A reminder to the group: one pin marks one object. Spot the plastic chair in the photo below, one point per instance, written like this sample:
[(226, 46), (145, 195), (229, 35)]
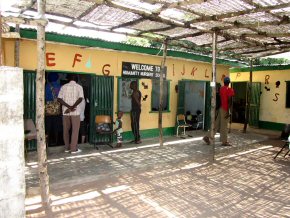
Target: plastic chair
[(29, 133), (181, 123), (103, 130)]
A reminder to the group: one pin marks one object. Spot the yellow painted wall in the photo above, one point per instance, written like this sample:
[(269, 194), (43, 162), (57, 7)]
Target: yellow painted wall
[(177, 69), (272, 102)]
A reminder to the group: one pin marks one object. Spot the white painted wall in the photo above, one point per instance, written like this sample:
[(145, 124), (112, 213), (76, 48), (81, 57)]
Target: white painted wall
[(12, 180)]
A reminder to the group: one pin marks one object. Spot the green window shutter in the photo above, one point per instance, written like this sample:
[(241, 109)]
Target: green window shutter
[(29, 101), (207, 118), (181, 95), (255, 104)]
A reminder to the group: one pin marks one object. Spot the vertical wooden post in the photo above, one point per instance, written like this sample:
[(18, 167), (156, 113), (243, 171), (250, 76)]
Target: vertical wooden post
[(213, 92), (40, 83), (1, 46), (161, 93), (248, 97), (17, 47)]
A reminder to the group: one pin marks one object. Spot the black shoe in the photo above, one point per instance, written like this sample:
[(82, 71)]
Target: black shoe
[(226, 144)]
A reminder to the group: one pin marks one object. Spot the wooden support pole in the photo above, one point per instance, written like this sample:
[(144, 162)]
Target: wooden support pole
[(1, 45), (163, 68), (17, 47), (213, 93), (41, 139), (248, 97)]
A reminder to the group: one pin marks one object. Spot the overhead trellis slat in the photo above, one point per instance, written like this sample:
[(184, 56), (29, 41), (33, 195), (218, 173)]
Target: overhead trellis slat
[(257, 26)]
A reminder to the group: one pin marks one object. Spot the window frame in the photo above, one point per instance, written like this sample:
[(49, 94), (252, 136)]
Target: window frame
[(119, 82), (168, 97)]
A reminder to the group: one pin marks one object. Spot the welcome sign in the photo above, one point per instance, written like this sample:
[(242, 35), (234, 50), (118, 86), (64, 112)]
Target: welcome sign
[(136, 70)]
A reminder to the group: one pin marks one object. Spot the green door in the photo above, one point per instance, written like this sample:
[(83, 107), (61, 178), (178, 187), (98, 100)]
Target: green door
[(255, 104), (101, 103), (29, 100), (207, 108)]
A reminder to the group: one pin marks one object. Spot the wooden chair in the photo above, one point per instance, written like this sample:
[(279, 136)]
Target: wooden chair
[(104, 130), (181, 123), (30, 133)]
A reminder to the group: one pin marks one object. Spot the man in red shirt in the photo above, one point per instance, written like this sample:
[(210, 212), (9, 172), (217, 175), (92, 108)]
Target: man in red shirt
[(226, 94)]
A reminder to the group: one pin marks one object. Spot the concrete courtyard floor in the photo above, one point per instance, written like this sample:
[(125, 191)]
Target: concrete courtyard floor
[(176, 180)]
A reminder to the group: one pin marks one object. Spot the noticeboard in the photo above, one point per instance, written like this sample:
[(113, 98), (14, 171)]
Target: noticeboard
[(137, 70)]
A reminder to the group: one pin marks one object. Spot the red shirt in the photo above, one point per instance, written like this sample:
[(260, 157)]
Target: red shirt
[(225, 93)]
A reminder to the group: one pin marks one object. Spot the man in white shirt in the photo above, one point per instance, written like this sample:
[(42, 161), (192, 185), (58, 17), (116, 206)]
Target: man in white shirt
[(70, 96)]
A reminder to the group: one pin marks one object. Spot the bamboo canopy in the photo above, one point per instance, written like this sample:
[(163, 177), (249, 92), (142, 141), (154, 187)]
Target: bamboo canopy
[(244, 28)]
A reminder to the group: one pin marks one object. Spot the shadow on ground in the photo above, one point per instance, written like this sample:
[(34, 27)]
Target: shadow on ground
[(177, 180)]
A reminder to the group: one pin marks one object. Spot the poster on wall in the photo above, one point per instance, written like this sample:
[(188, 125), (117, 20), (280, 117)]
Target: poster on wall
[(137, 70)]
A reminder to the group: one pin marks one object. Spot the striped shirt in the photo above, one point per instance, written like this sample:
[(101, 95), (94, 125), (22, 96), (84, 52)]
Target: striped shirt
[(70, 93)]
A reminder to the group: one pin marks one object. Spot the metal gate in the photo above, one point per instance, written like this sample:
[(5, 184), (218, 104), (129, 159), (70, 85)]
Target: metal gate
[(102, 101)]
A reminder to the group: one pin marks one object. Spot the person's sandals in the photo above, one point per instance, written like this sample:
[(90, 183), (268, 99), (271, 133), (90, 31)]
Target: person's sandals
[(206, 140), (226, 144)]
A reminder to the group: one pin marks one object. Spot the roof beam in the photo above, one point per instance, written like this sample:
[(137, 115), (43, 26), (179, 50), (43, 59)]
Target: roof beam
[(253, 26), (251, 2), (133, 22), (150, 16), (204, 18), (263, 35), (186, 36), (268, 48), (24, 20), (155, 30), (271, 53)]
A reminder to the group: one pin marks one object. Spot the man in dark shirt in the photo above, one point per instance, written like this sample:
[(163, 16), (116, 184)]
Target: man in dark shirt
[(135, 111)]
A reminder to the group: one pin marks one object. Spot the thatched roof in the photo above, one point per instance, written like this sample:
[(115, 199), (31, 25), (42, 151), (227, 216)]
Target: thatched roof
[(245, 28)]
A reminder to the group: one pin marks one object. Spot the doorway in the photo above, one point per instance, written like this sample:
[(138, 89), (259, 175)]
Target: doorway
[(191, 102), (239, 102), (53, 124)]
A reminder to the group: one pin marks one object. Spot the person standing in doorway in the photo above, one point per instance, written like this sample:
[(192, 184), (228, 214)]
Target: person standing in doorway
[(52, 122), (222, 120), (135, 111), (70, 96)]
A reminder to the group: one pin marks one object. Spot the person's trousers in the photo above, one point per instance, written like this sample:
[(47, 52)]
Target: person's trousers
[(135, 119), (221, 125), (73, 123)]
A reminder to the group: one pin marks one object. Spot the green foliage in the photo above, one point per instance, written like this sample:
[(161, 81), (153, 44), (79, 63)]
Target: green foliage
[(270, 61), (138, 41)]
